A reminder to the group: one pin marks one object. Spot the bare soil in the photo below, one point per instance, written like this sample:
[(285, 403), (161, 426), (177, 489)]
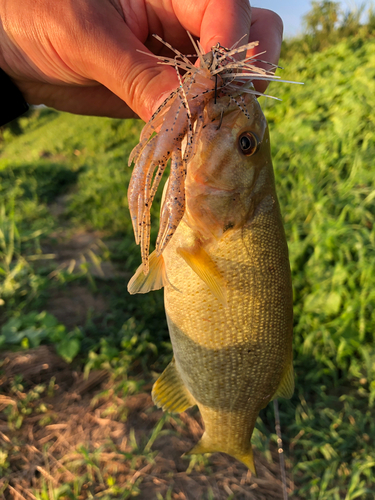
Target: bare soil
[(70, 306)]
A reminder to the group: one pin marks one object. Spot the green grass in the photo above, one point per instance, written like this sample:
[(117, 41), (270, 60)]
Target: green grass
[(323, 140), (323, 143), (84, 159)]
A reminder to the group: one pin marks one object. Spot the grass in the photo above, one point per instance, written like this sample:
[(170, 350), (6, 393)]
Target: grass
[(323, 140), (323, 145)]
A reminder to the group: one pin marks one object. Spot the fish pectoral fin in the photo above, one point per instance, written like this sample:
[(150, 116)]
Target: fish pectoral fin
[(202, 264), (153, 280), (205, 446), (286, 386), (169, 391)]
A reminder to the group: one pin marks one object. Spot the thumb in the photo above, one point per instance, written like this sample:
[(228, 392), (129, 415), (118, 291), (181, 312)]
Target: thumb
[(133, 76)]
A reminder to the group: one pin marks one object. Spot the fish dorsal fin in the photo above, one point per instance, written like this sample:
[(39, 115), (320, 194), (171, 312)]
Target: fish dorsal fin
[(206, 445), (202, 264), (153, 280), (170, 393), (286, 386)]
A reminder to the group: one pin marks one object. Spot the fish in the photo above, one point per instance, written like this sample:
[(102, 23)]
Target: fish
[(221, 254)]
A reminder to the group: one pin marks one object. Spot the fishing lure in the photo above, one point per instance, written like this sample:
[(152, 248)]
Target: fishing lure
[(173, 130)]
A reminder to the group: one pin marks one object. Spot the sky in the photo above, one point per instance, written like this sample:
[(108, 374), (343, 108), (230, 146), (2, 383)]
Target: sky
[(291, 11)]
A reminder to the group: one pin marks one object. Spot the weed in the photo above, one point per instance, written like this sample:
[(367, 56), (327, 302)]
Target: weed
[(31, 329), (24, 403)]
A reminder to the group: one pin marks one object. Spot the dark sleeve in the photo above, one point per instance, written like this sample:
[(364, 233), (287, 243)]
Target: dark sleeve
[(12, 103)]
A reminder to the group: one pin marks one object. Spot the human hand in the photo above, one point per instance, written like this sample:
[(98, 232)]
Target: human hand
[(81, 56)]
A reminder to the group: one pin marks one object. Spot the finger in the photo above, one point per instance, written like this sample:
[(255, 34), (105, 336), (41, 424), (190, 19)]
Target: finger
[(223, 21), (267, 28)]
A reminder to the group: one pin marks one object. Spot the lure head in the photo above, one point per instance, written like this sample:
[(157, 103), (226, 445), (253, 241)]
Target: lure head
[(226, 177)]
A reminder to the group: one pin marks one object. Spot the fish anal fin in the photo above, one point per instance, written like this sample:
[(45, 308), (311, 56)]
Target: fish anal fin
[(170, 393), (153, 280), (202, 264), (205, 446), (286, 386)]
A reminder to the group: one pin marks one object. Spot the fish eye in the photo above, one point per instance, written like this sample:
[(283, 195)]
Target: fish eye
[(248, 143)]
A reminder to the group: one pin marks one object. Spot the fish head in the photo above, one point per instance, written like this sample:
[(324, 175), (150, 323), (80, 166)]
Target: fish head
[(230, 168)]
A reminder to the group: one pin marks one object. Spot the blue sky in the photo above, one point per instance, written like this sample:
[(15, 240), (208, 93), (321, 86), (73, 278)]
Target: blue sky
[(291, 11)]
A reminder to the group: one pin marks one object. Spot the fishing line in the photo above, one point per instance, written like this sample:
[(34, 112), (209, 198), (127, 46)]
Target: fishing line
[(280, 448)]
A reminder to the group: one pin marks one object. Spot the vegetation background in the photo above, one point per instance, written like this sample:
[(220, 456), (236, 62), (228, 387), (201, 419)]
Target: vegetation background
[(67, 252)]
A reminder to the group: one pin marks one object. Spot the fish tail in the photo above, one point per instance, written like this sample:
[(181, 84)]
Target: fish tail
[(248, 460), (206, 446), (155, 278)]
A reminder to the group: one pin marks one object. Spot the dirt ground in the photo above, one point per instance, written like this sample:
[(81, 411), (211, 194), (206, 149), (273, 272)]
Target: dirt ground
[(66, 436), (88, 435)]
